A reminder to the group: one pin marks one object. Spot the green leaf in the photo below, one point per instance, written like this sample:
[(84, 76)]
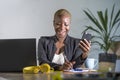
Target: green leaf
[(111, 17), (102, 20), (106, 18), (116, 18), (106, 31), (92, 29), (93, 19)]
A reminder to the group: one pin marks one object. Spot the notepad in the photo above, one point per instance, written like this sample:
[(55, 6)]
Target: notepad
[(117, 66), (78, 70)]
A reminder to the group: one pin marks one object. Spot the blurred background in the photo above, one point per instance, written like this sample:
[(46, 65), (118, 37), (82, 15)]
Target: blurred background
[(34, 18)]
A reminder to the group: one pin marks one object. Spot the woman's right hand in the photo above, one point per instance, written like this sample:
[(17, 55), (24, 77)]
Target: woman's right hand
[(67, 66)]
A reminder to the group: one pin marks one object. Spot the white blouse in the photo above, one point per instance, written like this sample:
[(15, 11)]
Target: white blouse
[(58, 58)]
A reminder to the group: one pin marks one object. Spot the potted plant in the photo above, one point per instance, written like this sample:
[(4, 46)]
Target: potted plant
[(105, 29)]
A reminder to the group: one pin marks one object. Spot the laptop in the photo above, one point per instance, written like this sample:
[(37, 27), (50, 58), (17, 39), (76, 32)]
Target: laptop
[(15, 54)]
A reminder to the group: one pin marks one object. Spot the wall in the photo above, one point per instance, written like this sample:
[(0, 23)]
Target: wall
[(33, 18)]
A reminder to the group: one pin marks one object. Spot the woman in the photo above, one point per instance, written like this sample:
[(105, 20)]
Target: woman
[(61, 51)]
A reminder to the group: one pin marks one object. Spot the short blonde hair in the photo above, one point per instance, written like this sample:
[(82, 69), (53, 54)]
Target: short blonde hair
[(62, 12)]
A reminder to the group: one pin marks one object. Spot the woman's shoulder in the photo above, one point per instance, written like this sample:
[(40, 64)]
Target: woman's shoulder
[(44, 38)]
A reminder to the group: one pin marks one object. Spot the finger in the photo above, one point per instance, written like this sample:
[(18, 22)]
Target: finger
[(73, 62), (88, 43), (84, 55), (85, 45), (65, 66), (69, 65)]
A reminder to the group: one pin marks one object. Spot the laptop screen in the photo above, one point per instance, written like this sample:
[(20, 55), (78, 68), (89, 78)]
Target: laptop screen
[(15, 54)]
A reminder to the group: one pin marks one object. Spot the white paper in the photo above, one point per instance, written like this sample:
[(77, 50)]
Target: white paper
[(117, 66), (78, 70)]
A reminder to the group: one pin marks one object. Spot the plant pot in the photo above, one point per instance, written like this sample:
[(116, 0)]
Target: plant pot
[(107, 62)]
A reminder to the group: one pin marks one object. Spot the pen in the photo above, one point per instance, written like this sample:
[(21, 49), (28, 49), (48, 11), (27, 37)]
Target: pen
[(67, 61), (66, 58)]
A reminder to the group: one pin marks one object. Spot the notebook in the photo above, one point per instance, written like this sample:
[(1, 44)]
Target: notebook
[(15, 54), (117, 66)]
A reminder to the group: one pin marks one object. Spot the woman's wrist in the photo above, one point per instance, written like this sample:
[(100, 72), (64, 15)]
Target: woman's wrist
[(84, 55)]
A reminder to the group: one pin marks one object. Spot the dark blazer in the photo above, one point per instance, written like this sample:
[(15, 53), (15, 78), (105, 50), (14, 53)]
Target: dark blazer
[(47, 49)]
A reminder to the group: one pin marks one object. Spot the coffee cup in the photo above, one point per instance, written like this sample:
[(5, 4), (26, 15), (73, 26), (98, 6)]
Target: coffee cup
[(91, 63)]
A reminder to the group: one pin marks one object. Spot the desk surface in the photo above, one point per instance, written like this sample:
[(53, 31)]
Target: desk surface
[(53, 76)]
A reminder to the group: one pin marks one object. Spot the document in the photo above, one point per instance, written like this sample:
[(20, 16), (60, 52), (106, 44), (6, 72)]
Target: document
[(78, 70)]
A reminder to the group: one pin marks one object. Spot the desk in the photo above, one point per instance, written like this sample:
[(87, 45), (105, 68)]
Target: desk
[(43, 76)]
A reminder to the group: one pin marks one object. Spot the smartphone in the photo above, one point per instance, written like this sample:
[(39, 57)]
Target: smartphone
[(87, 36)]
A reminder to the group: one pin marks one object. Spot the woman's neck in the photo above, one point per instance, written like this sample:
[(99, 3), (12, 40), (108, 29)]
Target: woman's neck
[(61, 40)]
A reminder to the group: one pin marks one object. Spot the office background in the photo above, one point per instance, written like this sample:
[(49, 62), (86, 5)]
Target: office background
[(33, 18)]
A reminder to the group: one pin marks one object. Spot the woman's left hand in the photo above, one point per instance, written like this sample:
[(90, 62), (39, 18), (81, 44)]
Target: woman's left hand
[(85, 46)]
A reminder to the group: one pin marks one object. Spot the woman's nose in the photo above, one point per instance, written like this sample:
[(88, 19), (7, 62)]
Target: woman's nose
[(62, 26)]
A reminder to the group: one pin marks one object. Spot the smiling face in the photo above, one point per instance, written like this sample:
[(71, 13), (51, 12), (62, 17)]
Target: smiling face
[(62, 23), (62, 26)]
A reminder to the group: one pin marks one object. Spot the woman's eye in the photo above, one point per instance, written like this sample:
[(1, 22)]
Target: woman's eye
[(66, 24), (57, 24)]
